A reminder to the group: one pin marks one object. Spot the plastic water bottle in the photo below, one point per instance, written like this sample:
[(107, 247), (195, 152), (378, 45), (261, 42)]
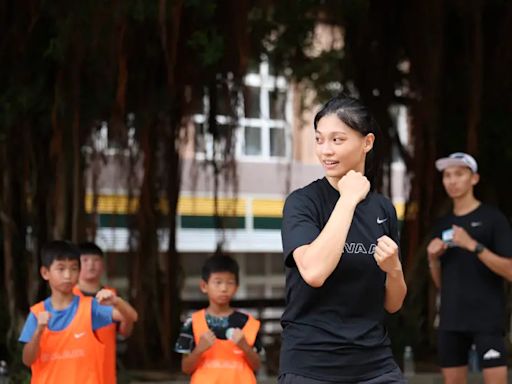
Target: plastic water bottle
[(3, 372), (473, 363), (408, 361), (262, 372)]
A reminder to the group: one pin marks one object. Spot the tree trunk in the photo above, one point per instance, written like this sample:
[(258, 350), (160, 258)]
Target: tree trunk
[(475, 73), (77, 185), (171, 308), (146, 280), (59, 197), (425, 45), (8, 227)]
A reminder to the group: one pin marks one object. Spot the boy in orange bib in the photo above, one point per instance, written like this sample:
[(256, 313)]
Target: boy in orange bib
[(89, 284), (220, 345), (60, 344)]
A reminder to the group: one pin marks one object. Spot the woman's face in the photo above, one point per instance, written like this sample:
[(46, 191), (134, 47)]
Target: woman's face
[(340, 148)]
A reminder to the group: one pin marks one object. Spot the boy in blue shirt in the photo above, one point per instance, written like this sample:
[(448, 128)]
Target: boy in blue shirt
[(58, 333)]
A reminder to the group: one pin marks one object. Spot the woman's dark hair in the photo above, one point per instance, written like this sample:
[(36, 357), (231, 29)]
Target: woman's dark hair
[(357, 116), (219, 263)]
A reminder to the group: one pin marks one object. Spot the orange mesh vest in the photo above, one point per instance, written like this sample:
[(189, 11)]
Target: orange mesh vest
[(73, 355), (107, 336), (224, 362)]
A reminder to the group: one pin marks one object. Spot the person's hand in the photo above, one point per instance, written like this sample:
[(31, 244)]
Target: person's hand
[(106, 297), (386, 255), (206, 341), (462, 239), (43, 318), (436, 248), (237, 337), (354, 185)]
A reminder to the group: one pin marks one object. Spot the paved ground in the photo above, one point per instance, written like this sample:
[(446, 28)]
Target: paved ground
[(420, 378)]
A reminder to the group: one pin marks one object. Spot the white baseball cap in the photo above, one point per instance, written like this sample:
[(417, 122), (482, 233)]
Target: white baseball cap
[(457, 159)]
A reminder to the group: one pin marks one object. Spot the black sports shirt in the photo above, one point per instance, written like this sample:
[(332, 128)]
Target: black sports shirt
[(336, 332), (472, 296)]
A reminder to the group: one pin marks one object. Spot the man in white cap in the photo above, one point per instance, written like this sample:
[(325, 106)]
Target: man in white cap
[(470, 257)]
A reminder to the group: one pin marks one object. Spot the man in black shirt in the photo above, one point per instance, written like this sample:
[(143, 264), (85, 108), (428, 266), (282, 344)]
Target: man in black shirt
[(469, 258)]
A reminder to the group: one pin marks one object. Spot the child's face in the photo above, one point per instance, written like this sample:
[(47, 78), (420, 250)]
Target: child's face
[(92, 267), (62, 275), (220, 287)]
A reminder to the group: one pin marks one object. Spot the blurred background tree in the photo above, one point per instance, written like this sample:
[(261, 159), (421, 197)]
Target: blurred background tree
[(66, 66)]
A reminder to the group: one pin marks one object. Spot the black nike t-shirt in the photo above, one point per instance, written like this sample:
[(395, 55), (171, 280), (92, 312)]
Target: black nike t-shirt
[(472, 296), (336, 332)]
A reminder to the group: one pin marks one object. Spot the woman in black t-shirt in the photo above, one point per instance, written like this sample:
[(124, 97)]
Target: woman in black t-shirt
[(343, 270)]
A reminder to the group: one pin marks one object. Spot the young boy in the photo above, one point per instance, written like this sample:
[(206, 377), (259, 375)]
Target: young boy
[(220, 345), (60, 346), (89, 284)]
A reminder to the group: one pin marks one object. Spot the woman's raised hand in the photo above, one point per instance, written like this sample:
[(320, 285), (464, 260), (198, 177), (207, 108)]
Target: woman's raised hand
[(354, 185)]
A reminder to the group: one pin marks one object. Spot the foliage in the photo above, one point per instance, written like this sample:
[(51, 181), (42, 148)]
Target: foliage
[(66, 66)]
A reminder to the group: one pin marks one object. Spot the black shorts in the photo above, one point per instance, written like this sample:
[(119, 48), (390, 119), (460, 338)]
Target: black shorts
[(393, 377), (454, 347)]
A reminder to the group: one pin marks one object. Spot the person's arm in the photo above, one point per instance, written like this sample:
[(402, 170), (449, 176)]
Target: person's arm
[(435, 250), (125, 328), (189, 362), (388, 260), (434, 267), (317, 260), (498, 264), (396, 289), (122, 312), (251, 355), (31, 349)]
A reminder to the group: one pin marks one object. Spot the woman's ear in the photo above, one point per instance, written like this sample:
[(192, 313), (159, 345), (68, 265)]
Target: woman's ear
[(369, 139)]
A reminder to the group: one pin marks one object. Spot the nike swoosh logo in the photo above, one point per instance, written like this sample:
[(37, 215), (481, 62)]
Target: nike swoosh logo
[(491, 354), (476, 223), (380, 221), (79, 335)]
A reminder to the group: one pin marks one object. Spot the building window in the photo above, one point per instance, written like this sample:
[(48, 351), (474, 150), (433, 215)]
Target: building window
[(277, 142), (264, 113), (252, 141), (251, 99)]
